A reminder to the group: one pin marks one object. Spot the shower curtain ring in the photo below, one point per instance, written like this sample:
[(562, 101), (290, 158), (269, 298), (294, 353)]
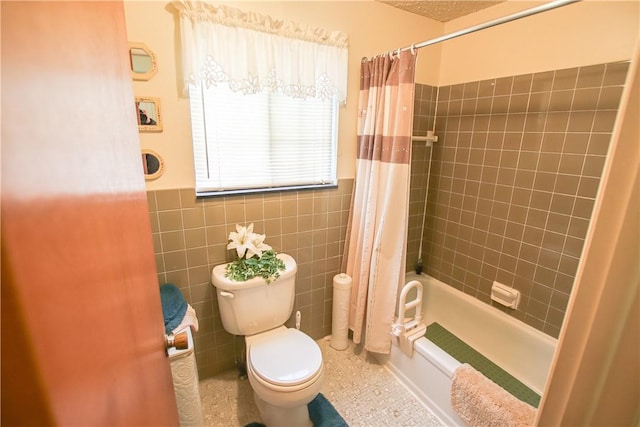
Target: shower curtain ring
[(413, 48)]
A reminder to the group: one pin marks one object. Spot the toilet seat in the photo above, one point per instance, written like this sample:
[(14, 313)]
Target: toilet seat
[(285, 359)]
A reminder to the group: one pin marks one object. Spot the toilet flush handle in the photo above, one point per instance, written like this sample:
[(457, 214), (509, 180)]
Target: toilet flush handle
[(227, 294)]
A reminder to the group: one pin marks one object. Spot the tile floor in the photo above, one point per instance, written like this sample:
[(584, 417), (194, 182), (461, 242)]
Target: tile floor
[(362, 390)]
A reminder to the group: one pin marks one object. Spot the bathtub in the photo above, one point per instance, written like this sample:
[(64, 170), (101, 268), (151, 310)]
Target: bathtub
[(516, 347)]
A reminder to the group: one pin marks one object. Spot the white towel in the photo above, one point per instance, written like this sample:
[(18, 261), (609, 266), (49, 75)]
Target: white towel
[(481, 402), (190, 320)]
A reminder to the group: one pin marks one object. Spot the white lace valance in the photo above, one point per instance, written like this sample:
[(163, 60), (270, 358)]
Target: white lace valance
[(254, 52)]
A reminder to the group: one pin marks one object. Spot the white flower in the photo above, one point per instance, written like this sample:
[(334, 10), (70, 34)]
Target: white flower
[(246, 242), (240, 239), (258, 246)]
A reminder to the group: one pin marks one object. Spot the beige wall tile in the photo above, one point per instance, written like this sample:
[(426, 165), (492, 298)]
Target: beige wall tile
[(180, 278), (214, 214), (170, 220), (194, 236), (172, 241), (188, 199), (591, 76), (175, 260), (565, 79), (235, 213), (561, 100), (155, 223), (167, 199), (513, 186), (151, 201), (198, 275), (615, 73), (193, 217), (542, 81), (610, 98), (197, 257)]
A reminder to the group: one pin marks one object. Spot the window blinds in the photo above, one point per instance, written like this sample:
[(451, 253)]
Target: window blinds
[(262, 141)]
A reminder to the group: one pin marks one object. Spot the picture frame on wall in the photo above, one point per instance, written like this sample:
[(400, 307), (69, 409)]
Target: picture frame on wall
[(149, 114)]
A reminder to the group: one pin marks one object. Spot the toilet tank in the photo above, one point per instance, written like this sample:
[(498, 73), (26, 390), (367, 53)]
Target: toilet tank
[(254, 306)]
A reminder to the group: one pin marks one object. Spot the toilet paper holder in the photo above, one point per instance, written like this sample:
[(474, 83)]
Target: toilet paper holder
[(180, 341)]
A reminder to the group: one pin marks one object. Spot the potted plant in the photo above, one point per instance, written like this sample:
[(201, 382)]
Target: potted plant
[(254, 257)]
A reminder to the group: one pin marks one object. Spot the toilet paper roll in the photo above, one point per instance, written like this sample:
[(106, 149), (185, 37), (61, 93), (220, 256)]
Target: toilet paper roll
[(340, 318), (185, 386)]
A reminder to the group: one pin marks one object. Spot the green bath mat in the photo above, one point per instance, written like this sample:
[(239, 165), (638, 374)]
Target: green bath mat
[(464, 353), (321, 412)]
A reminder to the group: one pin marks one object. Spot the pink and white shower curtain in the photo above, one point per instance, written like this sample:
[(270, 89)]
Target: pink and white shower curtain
[(375, 249)]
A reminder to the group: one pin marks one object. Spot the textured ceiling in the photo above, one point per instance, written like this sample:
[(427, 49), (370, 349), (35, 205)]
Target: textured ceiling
[(441, 10)]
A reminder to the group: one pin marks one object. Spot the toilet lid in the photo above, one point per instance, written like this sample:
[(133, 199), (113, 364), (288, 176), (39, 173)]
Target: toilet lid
[(287, 359)]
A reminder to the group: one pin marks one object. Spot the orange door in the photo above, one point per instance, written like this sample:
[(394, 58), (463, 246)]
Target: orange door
[(82, 329)]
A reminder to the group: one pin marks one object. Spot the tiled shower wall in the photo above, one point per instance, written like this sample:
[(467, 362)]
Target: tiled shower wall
[(513, 182), (424, 114), (190, 238)]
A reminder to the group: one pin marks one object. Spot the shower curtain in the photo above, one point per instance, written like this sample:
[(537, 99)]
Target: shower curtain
[(375, 249)]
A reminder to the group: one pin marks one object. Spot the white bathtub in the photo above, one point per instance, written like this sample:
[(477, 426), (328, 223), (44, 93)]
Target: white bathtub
[(516, 347)]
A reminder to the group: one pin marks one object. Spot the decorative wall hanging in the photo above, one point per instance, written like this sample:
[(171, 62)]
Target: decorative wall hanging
[(148, 113), (142, 60), (152, 164)]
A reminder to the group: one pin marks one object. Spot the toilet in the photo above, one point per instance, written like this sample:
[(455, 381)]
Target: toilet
[(284, 365)]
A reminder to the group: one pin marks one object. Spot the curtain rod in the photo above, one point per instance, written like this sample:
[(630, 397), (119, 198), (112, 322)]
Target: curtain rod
[(523, 14)]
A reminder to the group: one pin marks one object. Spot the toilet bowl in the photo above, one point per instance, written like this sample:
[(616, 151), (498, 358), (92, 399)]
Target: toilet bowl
[(285, 370), (284, 365)]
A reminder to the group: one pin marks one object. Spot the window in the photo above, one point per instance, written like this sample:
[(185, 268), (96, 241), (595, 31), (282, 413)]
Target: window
[(261, 141), (264, 96)]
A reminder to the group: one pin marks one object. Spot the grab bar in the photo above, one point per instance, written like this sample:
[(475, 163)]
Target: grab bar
[(408, 330), (402, 324)]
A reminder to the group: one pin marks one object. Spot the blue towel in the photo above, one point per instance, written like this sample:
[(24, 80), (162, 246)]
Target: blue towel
[(321, 412), (174, 306)]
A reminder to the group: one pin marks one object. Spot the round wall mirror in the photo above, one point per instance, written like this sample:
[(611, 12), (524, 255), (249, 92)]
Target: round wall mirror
[(152, 164)]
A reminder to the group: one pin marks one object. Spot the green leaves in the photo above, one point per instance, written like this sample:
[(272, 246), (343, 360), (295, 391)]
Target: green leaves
[(255, 258), (268, 267)]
